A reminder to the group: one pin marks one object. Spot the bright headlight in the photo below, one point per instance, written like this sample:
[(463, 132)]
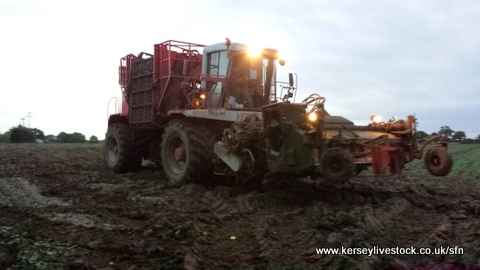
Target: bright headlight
[(254, 52), (376, 119), (312, 116)]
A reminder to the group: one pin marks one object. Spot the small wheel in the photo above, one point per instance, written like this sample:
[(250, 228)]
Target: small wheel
[(338, 165), (118, 149), (438, 161)]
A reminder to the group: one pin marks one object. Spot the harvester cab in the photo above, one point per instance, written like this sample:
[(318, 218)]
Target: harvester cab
[(238, 77)]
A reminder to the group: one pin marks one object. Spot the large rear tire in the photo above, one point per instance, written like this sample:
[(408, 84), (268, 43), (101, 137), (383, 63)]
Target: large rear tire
[(438, 161), (338, 165), (119, 150), (187, 152)]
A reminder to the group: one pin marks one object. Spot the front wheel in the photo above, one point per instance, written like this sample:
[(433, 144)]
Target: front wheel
[(438, 161), (187, 152), (338, 165)]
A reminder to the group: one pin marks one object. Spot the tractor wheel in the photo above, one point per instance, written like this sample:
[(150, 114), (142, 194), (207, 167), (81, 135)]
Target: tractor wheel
[(397, 161), (438, 161), (119, 149), (187, 152), (338, 165)]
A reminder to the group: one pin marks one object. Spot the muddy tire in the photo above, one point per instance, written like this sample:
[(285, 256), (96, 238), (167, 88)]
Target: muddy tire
[(187, 152), (119, 150), (438, 161), (338, 165)]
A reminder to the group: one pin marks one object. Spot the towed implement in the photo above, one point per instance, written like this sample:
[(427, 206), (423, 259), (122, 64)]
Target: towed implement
[(204, 110)]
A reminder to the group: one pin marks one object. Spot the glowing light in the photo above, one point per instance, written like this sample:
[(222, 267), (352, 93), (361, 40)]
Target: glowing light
[(280, 55), (312, 116), (254, 52), (202, 96), (376, 119)]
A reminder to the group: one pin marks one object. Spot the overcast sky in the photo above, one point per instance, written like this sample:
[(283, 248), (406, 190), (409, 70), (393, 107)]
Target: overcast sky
[(60, 58)]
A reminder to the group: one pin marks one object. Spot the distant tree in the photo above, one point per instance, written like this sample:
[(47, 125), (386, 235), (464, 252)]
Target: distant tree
[(447, 131), (4, 137), (459, 136), (50, 138), (21, 134), (468, 141), (76, 137), (93, 139), (38, 134), (62, 137), (421, 135)]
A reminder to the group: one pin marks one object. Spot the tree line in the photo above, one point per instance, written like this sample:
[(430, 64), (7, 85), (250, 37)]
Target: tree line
[(454, 136), (23, 134)]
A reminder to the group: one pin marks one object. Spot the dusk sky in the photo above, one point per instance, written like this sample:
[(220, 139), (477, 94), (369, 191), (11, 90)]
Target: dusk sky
[(60, 58)]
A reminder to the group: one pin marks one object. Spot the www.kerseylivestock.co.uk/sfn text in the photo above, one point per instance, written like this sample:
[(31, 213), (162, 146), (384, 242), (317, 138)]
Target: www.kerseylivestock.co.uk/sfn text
[(369, 251)]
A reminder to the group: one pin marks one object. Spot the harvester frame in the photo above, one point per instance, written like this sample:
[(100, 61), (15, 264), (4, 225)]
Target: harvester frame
[(218, 113)]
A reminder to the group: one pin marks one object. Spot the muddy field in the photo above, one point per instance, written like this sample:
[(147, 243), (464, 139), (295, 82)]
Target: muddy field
[(60, 208)]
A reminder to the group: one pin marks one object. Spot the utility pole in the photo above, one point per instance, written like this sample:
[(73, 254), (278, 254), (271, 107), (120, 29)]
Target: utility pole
[(29, 116), (22, 121)]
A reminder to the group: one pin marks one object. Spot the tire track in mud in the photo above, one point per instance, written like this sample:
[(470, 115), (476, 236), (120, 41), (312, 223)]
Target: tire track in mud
[(235, 223), (20, 191), (89, 212), (358, 214)]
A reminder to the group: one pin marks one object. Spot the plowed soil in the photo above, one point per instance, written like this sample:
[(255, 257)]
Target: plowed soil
[(61, 208)]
